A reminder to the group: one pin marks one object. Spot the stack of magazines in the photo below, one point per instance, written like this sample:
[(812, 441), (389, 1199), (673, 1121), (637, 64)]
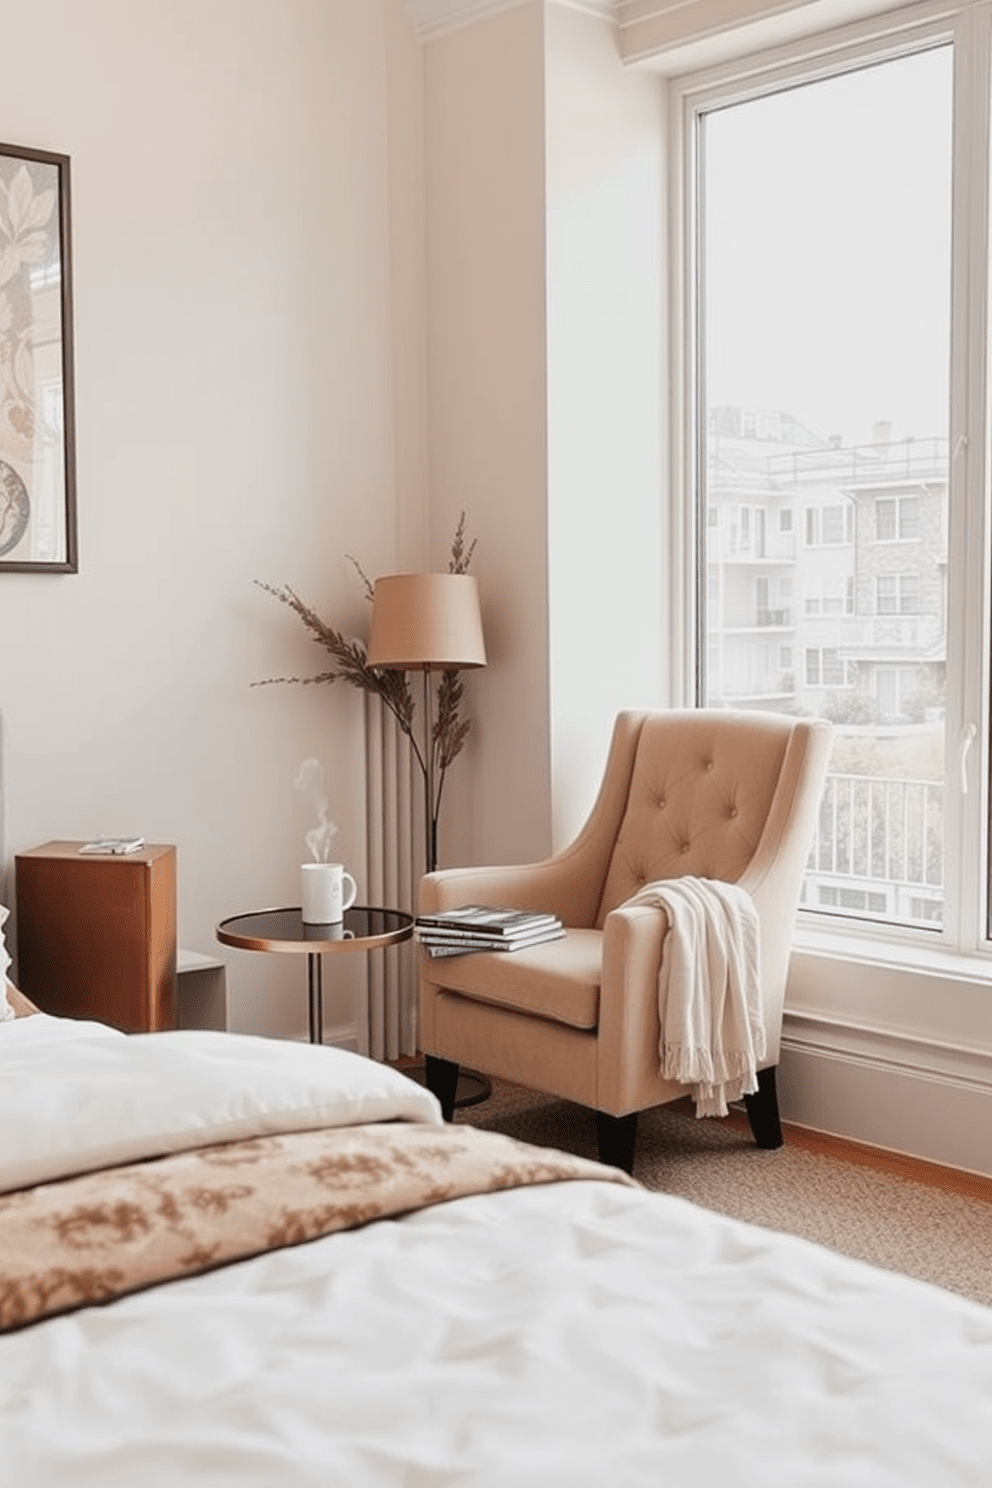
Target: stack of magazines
[(482, 927)]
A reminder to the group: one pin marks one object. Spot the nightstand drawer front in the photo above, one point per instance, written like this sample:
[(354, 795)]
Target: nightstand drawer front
[(96, 937)]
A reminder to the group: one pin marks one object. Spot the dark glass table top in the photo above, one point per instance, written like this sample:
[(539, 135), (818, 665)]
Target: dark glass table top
[(363, 928)]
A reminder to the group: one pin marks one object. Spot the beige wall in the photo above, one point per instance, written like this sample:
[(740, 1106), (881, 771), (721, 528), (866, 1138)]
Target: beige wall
[(484, 152), (545, 352), (245, 201), (606, 400)]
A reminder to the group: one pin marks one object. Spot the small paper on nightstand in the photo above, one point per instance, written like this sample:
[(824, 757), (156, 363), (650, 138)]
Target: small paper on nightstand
[(113, 845)]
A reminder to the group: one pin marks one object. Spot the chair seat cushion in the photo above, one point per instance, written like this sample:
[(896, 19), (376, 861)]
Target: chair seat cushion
[(558, 980)]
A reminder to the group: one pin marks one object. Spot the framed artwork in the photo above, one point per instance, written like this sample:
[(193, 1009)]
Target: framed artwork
[(37, 446)]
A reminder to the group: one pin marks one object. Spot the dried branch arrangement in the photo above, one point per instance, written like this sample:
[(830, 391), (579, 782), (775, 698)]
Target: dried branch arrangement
[(350, 664)]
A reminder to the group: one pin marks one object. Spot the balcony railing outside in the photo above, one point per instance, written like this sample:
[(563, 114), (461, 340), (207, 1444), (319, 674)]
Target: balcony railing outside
[(725, 546), (749, 617), (917, 633), (884, 836), (865, 464)]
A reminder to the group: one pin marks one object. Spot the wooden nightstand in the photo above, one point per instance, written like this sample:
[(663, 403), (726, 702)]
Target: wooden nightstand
[(96, 936)]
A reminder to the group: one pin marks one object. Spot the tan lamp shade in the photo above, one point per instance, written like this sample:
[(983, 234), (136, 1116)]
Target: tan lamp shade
[(423, 622)]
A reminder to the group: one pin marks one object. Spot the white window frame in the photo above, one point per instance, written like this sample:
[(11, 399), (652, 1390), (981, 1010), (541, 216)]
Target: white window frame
[(898, 535), (903, 682), (820, 669), (815, 518), (917, 505), (902, 586), (886, 502), (811, 526), (827, 512), (966, 773)]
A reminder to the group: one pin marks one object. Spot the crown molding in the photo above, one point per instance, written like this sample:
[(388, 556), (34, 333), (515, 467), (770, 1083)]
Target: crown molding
[(431, 18), (606, 10)]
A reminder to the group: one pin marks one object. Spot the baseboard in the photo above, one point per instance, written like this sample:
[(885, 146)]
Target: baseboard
[(894, 1092)]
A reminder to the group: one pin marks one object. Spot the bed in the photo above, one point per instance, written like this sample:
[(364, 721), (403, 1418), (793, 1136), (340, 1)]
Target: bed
[(492, 1315)]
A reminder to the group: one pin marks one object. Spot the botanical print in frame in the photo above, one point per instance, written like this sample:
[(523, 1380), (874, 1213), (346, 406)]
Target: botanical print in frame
[(37, 455)]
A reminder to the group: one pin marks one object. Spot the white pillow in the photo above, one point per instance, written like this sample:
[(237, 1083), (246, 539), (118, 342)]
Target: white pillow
[(44, 1028), (75, 1104), (6, 1011)]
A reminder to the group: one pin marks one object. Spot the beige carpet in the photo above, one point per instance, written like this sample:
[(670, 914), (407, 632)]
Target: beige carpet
[(878, 1217)]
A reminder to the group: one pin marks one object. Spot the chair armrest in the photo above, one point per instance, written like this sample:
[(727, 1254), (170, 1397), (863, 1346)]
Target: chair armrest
[(629, 1022), (628, 1054)]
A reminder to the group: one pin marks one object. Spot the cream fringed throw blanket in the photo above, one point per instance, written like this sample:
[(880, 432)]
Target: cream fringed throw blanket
[(709, 998)]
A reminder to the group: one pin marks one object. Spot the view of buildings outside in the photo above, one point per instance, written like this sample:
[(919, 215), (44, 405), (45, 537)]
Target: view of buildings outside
[(824, 271), (825, 579)]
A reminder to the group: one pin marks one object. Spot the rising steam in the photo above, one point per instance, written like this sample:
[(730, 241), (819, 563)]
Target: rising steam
[(310, 781)]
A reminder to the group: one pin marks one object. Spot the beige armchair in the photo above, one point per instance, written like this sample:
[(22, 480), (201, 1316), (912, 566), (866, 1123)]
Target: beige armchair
[(717, 794)]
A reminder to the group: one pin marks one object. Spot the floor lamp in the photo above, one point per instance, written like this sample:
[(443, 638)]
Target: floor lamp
[(430, 623)]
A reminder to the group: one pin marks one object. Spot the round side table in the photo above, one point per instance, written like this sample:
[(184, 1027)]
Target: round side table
[(363, 928)]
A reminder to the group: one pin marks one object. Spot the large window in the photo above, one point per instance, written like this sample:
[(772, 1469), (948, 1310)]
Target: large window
[(835, 278)]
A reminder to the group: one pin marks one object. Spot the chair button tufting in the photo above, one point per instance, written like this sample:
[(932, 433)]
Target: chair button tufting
[(684, 848), (734, 811), (709, 766)]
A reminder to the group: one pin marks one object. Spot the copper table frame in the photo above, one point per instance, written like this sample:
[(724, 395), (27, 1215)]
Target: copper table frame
[(364, 928)]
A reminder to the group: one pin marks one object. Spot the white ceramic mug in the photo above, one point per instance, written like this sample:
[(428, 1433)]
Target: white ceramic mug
[(322, 892)]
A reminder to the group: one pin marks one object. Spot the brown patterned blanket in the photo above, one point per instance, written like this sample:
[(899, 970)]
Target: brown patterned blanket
[(91, 1238)]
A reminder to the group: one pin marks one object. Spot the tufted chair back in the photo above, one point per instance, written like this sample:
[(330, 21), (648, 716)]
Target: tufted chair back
[(700, 792)]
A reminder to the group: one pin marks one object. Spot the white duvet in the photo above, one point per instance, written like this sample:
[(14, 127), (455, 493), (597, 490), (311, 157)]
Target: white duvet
[(578, 1333)]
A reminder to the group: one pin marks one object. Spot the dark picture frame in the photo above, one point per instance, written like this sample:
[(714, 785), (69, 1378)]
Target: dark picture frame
[(37, 428)]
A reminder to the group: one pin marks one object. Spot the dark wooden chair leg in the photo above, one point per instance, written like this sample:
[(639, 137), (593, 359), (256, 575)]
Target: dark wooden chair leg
[(441, 1079), (616, 1136), (762, 1110)]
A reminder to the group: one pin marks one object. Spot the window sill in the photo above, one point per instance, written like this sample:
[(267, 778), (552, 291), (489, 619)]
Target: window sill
[(908, 952), (897, 991)]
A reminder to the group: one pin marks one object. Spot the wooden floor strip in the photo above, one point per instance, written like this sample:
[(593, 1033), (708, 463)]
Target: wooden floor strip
[(935, 1175)]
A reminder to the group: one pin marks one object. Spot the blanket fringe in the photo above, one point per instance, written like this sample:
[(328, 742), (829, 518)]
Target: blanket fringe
[(694, 1066)]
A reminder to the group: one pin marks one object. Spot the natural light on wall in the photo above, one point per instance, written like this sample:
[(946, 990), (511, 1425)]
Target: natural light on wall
[(823, 233)]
